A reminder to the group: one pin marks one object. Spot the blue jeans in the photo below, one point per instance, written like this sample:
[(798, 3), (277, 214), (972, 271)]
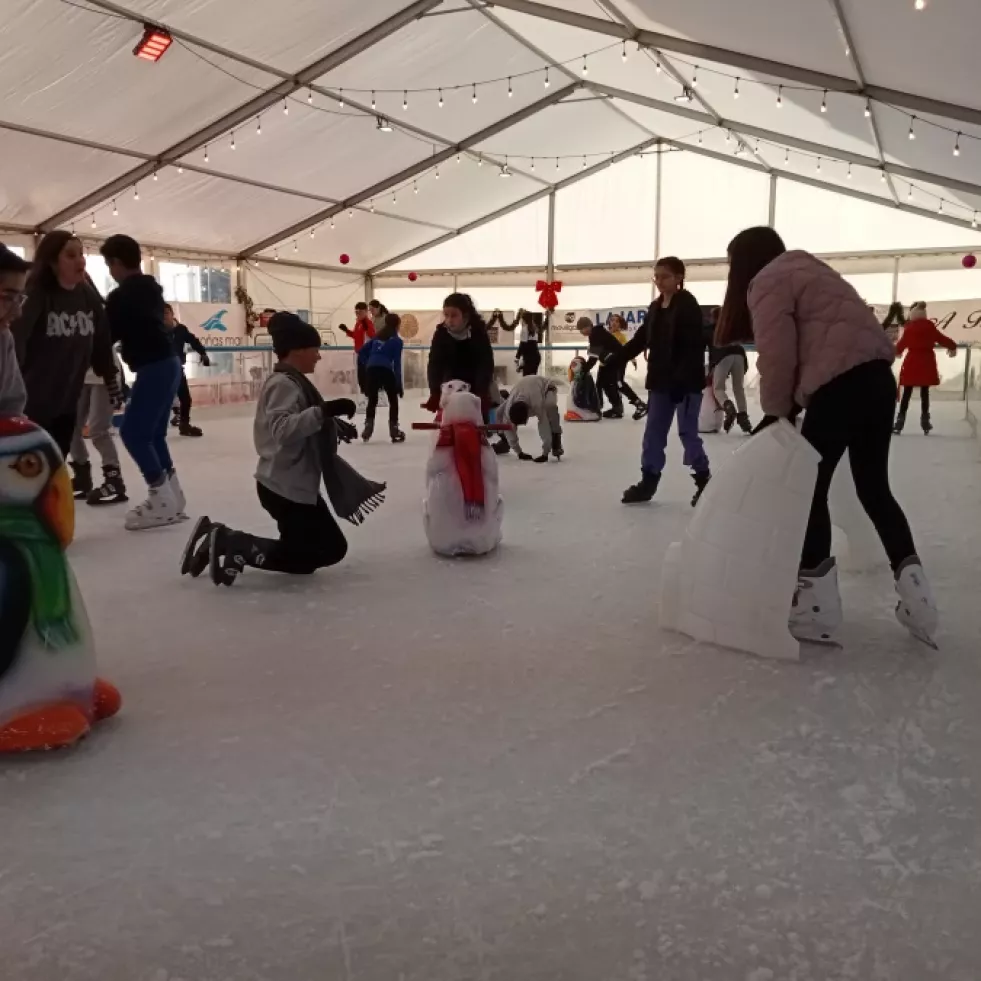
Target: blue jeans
[(661, 410), (144, 429)]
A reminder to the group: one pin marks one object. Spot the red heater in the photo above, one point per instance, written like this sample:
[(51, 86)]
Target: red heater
[(153, 44)]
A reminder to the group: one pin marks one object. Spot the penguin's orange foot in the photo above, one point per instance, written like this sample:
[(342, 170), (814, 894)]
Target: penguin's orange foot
[(106, 700), (49, 727)]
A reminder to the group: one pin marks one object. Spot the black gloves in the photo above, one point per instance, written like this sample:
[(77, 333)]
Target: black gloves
[(524, 456), (345, 431), (340, 407), (205, 360)]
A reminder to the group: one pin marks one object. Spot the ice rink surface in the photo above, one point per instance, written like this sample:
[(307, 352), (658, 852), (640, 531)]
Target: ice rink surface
[(415, 769)]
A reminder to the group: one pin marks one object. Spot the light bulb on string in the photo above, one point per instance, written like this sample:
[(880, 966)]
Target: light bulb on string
[(882, 177), (233, 140), (295, 246), (394, 198), (276, 254), (459, 158), (480, 161), (532, 163), (473, 95), (350, 212), (371, 205), (868, 109), (940, 207), (286, 107), (919, 4), (93, 224), (510, 90), (436, 172), (735, 91), (115, 210), (786, 157), (909, 193), (585, 67), (136, 193), (258, 126), (957, 145), (824, 101), (728, 136), (340, 99), (912, 132), (547, 82), (657, 65), (206, 153), (556, 163), (405, 100), (623, 52), (415, 188), (584, 161), (849, 174), (332, 223), (504, 170), (440, 103), (180, 169), (310, 97), (700, 140), (694, 78), (155, 176), (819, 165), (780, 97), (313, 232), (373, 103)]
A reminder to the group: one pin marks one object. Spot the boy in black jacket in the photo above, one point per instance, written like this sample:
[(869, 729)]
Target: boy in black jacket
[(135, 310), (182, 338), (606, 349), (674, 337)]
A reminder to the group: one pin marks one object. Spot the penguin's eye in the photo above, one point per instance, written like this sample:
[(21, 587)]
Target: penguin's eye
[(29, 465)]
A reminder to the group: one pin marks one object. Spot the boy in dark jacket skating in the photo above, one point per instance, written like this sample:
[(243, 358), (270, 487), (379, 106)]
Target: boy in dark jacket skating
[(182, 338), (604, 346), (674, 338)]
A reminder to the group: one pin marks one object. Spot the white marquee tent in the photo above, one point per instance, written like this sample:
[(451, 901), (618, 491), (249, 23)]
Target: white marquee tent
[(517, 136)]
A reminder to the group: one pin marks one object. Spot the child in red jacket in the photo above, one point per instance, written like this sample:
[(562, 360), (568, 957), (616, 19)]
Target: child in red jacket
[(919, 369)]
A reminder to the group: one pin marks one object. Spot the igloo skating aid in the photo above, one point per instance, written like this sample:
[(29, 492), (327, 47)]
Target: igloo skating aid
[(583, 398), (463, 511), (730, 581), (49, 693)]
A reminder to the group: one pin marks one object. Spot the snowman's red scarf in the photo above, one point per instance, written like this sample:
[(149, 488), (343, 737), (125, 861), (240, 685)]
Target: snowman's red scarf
[(467, 440)]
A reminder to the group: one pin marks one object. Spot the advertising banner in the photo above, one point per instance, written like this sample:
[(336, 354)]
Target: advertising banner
[(217, 324), (958, 319)]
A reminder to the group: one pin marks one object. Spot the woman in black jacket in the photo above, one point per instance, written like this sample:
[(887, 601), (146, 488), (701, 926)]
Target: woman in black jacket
[(461, 351), (674, 338)]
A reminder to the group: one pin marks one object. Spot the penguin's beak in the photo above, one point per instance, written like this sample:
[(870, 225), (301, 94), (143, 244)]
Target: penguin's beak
[(58, 506)]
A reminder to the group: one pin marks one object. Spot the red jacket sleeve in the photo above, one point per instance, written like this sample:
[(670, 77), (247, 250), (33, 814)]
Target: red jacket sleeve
[(939, 337)]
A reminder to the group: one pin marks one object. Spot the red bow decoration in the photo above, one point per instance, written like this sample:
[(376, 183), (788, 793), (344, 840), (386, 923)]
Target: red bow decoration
[(548, 293)]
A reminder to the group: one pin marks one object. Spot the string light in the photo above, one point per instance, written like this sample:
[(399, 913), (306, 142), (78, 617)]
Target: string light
[(780, 97), (556, 163), (786, 157), (824, 101), (332, 223), (436, 175), (310, 97), (371, 205), (373, 103), (728, 136), (909, 193), (510, 90), (623, 53), (584, 161), (206, 153), (180, 169), (313, 232), (585, 67), (233, 140), (258, 126), (415, 188), (940, 207), (694, 78), (882, 177), (155, 176), (286, 107), (276, 254), (350, 212), (919, 4), (504, 170), (532, 163), (473, 97), (340, 99), (868, 109), (912, 132), (735, 91), (459, 158), (480, 161), (547, 82), (700, 140), (405, 100), (115, 210), (440, 103), (849, 174), (295, 247), (136, 193), (657, 65), (93, 225), (819, 165), (957, 145)]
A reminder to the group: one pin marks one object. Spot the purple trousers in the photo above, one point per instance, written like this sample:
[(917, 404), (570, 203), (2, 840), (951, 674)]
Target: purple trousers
[(661, 410)]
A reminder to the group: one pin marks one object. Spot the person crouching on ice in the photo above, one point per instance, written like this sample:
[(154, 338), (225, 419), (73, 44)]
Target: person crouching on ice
[(535, 396), (296, 434)]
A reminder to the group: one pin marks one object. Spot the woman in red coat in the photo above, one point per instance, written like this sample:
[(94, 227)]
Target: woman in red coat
[(919, 369)]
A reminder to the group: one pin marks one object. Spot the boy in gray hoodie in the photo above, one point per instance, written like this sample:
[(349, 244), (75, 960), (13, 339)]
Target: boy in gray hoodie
[(13, 277), (287, 434)]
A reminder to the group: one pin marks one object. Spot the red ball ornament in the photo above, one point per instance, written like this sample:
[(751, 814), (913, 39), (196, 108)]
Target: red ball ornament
[(345, 258), (413, 277), (969, 261)]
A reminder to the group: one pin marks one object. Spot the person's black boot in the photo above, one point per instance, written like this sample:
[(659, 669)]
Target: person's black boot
[(742, 421), (640, 410), (899, 424), (396, 434), (644, 491), (197, 551), (501, 446), (231, 551), (925, 424), (557, 450), (112, 491), (729, 411), (186, 429), (369, 428), (81, 480), (613, 413), (701, 478)]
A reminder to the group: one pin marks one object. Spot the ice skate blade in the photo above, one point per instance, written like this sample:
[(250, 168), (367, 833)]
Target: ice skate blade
[(922, 637), (834, 645)]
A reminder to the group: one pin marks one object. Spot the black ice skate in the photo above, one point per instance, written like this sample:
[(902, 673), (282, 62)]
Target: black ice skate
[(742, 420), (396, 434), (81, 480), (644, 491), (925, 424), (613, 414), (112, 491), (502, 447), (369, 428), (899, 424), (197, 551), (640, 410), (225, 561), (730, 413), (701, 482), (186, 429), (557, 450)]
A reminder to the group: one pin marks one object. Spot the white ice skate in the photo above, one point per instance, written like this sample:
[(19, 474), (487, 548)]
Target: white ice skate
[(916, 609), (816, 612), (179, 499), (157, 510)]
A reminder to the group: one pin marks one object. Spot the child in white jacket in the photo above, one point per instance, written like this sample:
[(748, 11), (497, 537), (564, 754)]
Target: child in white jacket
[(535, 396)]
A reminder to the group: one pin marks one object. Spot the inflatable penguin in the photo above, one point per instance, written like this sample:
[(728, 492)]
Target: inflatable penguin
[(583, 398), (463, 511), (711, 414), (49, 693)]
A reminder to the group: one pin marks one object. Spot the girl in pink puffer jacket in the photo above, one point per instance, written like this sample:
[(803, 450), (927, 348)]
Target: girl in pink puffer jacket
[(820, 348)]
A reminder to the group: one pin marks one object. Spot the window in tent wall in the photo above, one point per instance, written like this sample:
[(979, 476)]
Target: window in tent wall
[(98, 272), (181, 282), (18, 250)]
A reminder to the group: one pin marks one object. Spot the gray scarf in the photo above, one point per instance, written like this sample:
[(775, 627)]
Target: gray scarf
[(352, 496)]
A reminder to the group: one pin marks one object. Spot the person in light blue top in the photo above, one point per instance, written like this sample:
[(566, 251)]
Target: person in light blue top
[(381, 358)]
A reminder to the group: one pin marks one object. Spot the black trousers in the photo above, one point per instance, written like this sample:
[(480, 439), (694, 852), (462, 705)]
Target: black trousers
[(608, 383), (529, 356), (854, 412), (60, 428), (309, 536), (381, 380), (184, 399), (628, 393), (908, 395)]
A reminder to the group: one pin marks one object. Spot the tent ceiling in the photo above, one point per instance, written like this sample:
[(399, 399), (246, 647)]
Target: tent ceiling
[(87, 85)]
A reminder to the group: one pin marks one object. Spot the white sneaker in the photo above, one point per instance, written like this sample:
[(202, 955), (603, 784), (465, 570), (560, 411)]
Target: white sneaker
[(816, 613), (179, 499), (157, 510), (916, 609)]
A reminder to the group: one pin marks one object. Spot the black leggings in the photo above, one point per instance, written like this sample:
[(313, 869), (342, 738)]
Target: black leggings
[(60, 428), (608, 384), (184, 399), (854, 412), (908, 395), (381, 379), (309, 537)]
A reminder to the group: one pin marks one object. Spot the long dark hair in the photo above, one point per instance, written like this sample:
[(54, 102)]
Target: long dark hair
[(42, 276), (749, 253), (463, 303), (390, 328)]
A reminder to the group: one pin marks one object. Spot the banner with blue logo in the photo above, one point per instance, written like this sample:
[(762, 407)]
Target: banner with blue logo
[(217, 324)]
